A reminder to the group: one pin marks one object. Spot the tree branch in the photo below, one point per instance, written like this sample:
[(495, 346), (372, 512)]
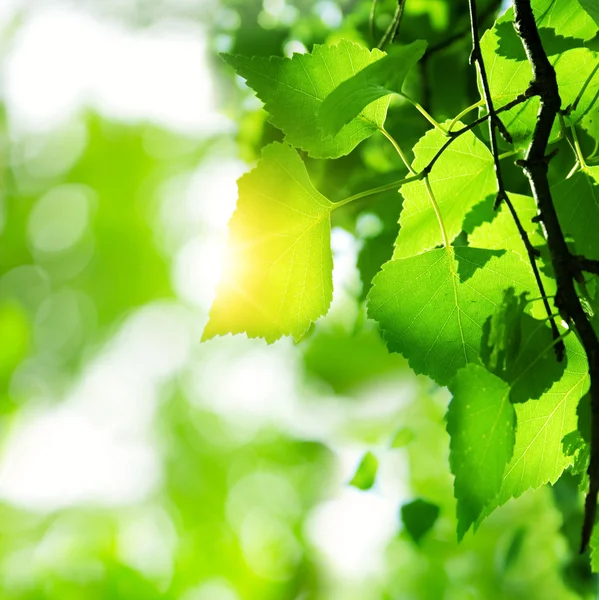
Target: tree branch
[(566, 267), (453, 135), (495, 123), (587, 264), (490, 11)]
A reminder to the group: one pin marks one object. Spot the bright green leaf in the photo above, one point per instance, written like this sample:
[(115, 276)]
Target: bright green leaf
[(567, 17), (594, 545), (502, 335), (459, 179), (510, 74), (481, 423), (539, 456), (384, 77), (592, 8), (577, 203), (365, 474), (434, 315), (418, 518), (502, 234), (293, 90), (520, 349), (278, 269)]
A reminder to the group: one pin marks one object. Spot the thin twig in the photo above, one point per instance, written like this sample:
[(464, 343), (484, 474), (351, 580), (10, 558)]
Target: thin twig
[(453, 135), (371, 18), (393, 29), (491, 10), (495, 123), (566, 267)]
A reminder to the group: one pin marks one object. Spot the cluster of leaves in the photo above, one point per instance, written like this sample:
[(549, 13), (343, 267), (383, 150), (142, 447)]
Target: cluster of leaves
[(457, 295)]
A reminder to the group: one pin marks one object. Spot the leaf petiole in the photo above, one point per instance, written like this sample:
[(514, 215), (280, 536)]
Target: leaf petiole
[(399, 151), (508, 154), (435, 206), (382, 188), (425, 114), (457, 118), (579, 156)]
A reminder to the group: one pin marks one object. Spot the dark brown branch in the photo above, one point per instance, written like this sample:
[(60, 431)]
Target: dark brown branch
[(566, 267), (494, 124), (587, 264), (453, 135), (490, 11)]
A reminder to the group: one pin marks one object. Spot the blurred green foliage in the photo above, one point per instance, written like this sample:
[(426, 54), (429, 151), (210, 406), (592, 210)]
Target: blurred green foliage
[(233, 514)]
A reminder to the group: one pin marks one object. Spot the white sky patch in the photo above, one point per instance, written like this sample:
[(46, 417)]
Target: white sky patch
[(63, 60), (97, 445), (194, 214), (351, 531), (197, 270)]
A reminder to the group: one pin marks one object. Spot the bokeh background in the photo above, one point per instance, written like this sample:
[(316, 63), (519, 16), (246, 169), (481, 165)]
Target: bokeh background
[(137, 463)]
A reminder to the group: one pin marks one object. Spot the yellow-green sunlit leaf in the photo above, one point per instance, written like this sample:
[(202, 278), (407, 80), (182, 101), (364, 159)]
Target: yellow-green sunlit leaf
[(277, 278)]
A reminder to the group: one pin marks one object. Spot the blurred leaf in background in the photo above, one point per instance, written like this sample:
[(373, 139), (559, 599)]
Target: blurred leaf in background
[(137, 463)]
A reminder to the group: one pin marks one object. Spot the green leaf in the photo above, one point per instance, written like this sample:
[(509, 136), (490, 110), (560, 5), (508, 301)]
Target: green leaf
[(502, 234), (594, 545), (459, 179), (590, 123), (433, 315), (574, 445), (520, 349), (502, 335), (278, 269), (510, 74), (365, 474), (539, 455), (294, 89), (418, 518), (481, 423), (577, 203), (567, 17), (592, 8), (384, 77)]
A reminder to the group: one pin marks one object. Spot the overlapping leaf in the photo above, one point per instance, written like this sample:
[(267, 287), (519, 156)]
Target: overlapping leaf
[(278, 271), (502, 234), (519, 349), (481, 422), (521, 367), (460, 178), (510, 74), (294, 89), (567, 17), (577, 204), (434, 315), (592, 8), (381, 78), (539, 456)]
